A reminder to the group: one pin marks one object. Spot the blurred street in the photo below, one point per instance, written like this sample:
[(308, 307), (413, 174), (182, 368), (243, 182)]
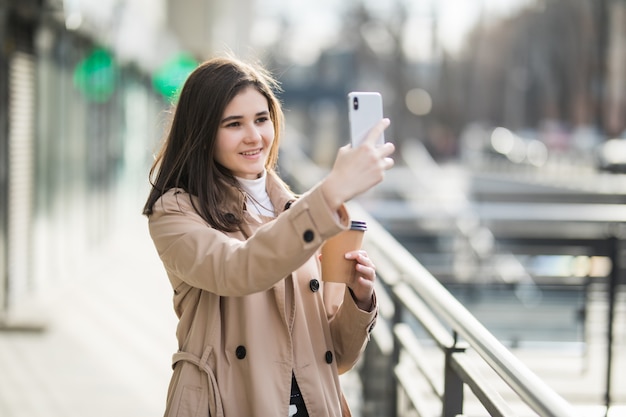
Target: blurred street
[(107, 343), (508, 118)]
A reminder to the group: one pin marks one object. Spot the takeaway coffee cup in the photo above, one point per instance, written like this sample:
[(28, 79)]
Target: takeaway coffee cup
[(335, 267)]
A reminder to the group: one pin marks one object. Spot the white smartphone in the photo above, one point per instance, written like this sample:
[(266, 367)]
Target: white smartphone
[(365, 109)]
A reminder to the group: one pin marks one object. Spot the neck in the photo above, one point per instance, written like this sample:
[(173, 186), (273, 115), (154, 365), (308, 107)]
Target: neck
[(257, 199)]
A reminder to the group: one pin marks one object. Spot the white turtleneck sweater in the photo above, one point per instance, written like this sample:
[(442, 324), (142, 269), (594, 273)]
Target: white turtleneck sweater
[(257, 199)]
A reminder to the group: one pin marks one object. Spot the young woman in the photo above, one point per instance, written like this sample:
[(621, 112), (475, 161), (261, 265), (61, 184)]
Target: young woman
[(259, 333)]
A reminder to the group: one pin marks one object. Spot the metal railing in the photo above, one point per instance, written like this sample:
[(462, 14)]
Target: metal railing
[(417, 295), (396, 362)]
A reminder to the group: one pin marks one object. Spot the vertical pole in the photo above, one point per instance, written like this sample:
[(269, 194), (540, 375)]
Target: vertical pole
[(583, 314), (4, 159), (395, 357), (453, 385), (612, 289)]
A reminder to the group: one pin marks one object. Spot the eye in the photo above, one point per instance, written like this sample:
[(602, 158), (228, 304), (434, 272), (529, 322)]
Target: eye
[(262, 119), (233, 124)]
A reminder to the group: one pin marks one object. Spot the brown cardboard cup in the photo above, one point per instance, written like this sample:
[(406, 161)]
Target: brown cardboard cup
[(335, 267)]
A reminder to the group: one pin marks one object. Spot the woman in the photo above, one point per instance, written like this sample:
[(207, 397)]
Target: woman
[(259, 334)]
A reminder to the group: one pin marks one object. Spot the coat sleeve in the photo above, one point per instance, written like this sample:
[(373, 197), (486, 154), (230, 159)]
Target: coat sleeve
[(350, 327), (209, 259)]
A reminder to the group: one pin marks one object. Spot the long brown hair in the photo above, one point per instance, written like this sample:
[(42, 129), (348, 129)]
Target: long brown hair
[(187, 157)]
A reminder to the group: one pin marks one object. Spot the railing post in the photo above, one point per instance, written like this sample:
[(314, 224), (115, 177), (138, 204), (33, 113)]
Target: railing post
[(377, 370), (376, 381), (616, 258), (453, 384), (395, 356)]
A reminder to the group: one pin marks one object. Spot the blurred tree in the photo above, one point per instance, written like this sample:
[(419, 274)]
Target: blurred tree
[(533, 66), (557, 60)]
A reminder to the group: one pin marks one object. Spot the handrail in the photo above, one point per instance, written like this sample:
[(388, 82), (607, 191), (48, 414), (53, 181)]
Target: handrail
[(534, 391)]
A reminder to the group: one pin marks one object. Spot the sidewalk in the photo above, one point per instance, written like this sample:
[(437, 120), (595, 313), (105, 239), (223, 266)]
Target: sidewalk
[(108, 342)]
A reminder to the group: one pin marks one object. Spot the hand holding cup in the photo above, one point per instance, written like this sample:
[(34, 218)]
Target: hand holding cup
[(343, 261), (335, 266)]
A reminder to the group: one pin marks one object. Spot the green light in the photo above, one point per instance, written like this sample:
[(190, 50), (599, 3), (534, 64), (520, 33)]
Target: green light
[(169, 79), (95, 76)]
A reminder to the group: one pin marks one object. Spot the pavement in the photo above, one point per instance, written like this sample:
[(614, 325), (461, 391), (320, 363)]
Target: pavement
[(107, 340)]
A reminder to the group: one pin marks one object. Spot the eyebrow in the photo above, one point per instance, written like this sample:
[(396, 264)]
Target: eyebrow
[(237, 117)]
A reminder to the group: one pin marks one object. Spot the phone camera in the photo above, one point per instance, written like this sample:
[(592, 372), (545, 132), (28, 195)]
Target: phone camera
[(355, 103)]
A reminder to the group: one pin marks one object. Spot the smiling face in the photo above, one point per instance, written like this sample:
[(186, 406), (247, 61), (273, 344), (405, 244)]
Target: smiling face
[(245, 134)]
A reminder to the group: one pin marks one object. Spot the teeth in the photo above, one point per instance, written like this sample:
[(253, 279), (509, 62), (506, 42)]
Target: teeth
[(250, 153)]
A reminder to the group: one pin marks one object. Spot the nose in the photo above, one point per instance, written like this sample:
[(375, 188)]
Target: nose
[(253, 134)]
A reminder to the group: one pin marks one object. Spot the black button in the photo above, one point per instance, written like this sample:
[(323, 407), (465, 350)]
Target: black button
[(314, 285), (329, 357), (288, 204), (308, 235), (240, 352)]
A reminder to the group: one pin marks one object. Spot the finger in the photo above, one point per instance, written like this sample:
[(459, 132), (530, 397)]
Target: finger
[(352, 254), (345, 147), (376, 131), (387, 149), (367, 283), (366, 272), (365, 260), (359, 255), (388, 163), (364, 286)]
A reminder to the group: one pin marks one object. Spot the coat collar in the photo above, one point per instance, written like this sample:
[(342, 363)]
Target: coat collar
[(280, 195)]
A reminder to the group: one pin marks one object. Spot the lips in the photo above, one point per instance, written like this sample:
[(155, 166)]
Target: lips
[(251, 153)]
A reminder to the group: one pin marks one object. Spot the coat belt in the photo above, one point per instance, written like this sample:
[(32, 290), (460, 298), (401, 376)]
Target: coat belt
[(215, 401)]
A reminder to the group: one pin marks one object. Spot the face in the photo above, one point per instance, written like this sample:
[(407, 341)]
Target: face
[(245, 135)]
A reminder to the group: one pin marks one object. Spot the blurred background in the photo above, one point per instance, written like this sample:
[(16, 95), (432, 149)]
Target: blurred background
[(509, 118)]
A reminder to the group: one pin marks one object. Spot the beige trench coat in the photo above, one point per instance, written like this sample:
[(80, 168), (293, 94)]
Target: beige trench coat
[(252, 309)]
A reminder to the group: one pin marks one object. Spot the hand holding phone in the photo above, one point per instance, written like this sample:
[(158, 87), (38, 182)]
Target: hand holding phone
[(365, 109), (357, 169)]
